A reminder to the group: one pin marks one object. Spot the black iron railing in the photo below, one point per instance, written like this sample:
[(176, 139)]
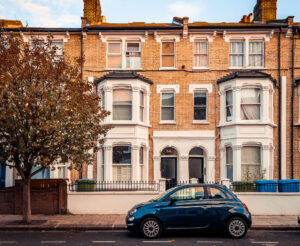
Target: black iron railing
[(114, 186)]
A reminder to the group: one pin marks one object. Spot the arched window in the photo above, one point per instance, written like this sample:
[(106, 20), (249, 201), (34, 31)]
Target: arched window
[(229, 163), (196, 152), (169, 151)]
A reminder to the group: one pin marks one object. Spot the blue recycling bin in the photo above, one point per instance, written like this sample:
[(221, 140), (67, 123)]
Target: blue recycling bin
[(288, 185), (266, 186)]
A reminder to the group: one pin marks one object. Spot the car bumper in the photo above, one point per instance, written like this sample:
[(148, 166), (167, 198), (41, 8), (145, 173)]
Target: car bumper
[(131, 223)]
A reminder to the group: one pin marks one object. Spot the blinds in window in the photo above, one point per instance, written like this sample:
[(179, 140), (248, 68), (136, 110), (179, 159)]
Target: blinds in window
[(122, 173)]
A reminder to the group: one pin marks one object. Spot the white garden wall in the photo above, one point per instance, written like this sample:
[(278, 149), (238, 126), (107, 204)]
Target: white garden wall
[(122, 202)]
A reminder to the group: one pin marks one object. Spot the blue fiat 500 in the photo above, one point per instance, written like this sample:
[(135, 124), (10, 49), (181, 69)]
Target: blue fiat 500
[(200, 206)]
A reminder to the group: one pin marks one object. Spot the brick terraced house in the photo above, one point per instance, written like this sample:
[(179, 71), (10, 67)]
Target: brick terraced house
[(209, 101)]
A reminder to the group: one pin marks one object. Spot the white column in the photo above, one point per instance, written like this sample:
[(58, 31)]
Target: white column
[(236, 104), (135, 104), (147, 108), (210, 169), (265, 161), (223, 163), (9, 177), (135, 167), (108, 172), (265, 104), (156, 167), (99, 165), (183, 168), (89, 168), (283, 127), (108, 102), (237, 155)]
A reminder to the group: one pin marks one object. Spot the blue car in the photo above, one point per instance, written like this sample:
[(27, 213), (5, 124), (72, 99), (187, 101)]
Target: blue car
[(200, 206)]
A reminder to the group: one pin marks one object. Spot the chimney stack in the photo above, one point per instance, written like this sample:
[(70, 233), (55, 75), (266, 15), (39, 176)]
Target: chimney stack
[(92, 13), (265, 10)]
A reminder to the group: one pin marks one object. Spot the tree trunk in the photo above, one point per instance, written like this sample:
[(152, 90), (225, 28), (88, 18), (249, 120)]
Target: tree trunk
[(26, 202)]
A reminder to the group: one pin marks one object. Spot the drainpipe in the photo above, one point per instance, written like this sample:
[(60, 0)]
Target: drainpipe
[(279, 106), (292, 107)]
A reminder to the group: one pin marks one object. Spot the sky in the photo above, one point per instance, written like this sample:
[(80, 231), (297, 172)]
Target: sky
[(68, 13)]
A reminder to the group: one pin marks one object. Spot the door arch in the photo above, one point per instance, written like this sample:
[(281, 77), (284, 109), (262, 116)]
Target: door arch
[(169, 164), (196, 164)]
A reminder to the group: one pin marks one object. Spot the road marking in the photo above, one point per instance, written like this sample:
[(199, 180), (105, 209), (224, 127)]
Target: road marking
[(265, 242), (7, 242), (212, 242), (157, 241), (54, 242), (103, 241)]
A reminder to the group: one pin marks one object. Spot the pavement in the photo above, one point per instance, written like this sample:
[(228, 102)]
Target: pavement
[(117, 222)]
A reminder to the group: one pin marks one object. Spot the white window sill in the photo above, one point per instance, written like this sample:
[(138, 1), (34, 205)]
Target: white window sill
[(168, 68), (127, 123), (200, 68), (254, 68), (201, 122), (167, 122), (121, 69), (247, 123)]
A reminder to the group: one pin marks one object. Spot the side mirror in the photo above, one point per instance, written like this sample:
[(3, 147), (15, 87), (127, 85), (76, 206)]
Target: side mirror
[(173, 200)]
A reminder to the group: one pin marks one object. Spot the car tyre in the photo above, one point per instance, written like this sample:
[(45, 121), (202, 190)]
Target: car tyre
[(151, 228), (236, 227)]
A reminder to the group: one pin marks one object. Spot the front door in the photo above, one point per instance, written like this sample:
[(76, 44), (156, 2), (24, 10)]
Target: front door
[(196, 168), (169, 170), (2, 174)]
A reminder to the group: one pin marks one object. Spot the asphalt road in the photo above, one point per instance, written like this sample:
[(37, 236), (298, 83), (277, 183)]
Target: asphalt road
[(267, 238)]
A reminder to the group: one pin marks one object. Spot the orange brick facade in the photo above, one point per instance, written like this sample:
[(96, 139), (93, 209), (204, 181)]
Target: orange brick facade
[(88, 42)]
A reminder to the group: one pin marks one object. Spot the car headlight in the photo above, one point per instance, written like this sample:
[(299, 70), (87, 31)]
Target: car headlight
[(132, 212)]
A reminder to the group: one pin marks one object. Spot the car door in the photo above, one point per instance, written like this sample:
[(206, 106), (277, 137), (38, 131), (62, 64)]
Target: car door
[(187, 211), (219, 205)]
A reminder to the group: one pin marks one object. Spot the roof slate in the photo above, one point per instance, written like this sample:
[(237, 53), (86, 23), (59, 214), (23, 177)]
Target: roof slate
[(252, 74), (124, 75)]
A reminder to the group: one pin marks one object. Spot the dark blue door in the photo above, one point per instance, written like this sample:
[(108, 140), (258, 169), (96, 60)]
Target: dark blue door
[(2, 174)]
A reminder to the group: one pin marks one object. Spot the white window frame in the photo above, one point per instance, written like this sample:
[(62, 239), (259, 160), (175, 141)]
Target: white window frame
[(161, 54), (260, 156), (232, 106), (260, 104), (168, 121), (124, 164), (132, 103), (142, 107), (206, 106), (229, 164), (123, 45), (237, 54), (194, 54), (246, 54)]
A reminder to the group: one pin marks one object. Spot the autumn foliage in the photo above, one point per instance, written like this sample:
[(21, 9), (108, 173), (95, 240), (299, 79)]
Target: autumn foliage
[(48, 114)]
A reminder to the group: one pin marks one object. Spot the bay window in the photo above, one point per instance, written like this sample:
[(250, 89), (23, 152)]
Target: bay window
[(122, 163), (168, 106), (141, 155), (201, 54), (229, 163), (250, 104), (251, 162), (142, 106), (168, 54), (122, 104), (229, 106)]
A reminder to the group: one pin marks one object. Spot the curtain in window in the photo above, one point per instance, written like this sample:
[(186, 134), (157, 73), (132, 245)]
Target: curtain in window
[(229, 107), (167, 110), (201, 54), (122, 104), (250, 104), (114, 55), (237, 54), (256, 54), (251, 161)]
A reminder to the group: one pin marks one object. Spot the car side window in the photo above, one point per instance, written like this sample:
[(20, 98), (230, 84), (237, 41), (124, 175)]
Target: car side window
[(191, 193), (215, 193)]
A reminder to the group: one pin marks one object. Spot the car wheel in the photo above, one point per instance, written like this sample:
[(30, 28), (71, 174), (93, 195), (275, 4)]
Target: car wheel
[(236, 227), (151, 228)]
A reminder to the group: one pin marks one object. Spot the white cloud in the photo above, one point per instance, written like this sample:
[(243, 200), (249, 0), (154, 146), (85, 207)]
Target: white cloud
[(184, 8)]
